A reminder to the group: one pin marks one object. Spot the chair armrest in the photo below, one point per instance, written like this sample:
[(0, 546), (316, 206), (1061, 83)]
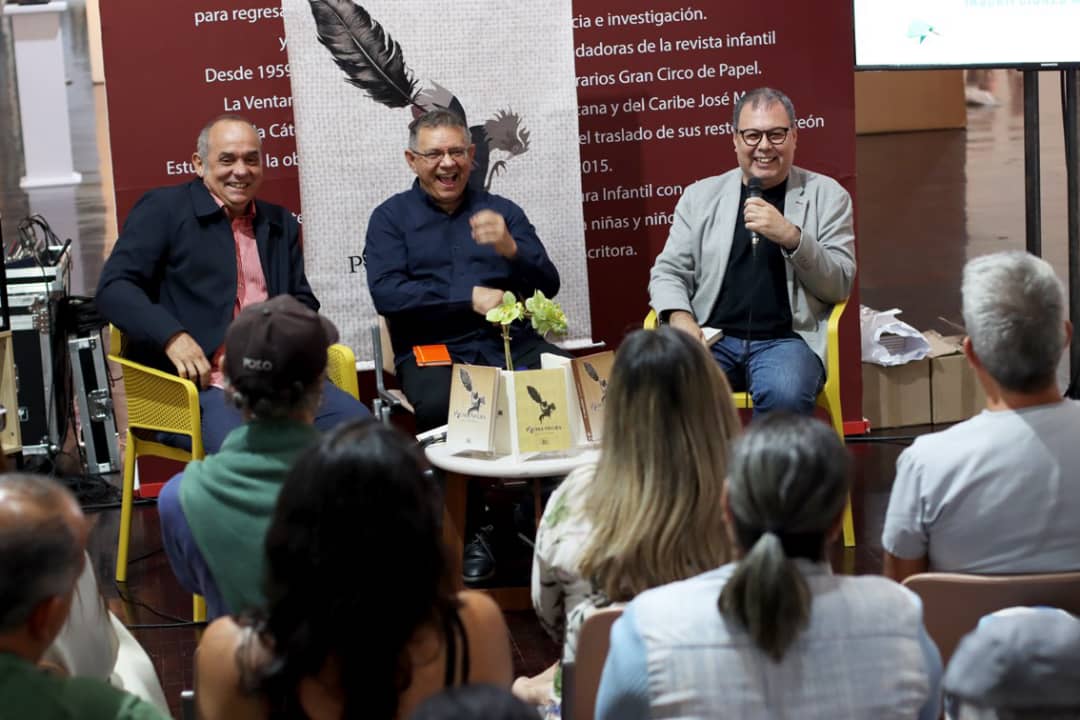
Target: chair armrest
[(386, 400)]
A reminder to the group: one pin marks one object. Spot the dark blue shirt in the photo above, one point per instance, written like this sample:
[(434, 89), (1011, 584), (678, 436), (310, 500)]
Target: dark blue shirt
[(422, 264)]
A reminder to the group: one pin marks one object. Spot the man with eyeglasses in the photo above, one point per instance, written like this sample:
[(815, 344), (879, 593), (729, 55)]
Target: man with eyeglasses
[(438, 257), (757, 257)]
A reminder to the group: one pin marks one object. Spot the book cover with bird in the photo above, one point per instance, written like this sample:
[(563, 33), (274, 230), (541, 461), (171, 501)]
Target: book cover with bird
[(591, 375), (543, 422), (471, 420)]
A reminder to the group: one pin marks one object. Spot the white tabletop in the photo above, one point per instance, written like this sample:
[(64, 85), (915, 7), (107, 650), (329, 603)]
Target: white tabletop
[(51, 7), (508, 466)]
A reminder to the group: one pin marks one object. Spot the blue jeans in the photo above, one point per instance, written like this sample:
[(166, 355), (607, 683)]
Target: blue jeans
[(780, 374), (187, 561)]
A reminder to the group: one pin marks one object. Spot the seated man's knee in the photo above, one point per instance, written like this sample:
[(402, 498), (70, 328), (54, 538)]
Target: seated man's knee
[(789, 394), (338, 406)]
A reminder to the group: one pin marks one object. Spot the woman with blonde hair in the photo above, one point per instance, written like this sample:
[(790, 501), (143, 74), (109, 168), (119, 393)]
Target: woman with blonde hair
[(648, 512)]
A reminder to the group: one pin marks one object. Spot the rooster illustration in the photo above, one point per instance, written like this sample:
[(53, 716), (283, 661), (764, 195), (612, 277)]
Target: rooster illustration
[(591, 372), (374, 62), (546, 408), (476, 400)]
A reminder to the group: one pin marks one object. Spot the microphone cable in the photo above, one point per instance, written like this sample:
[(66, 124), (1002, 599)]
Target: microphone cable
[(753, 190)]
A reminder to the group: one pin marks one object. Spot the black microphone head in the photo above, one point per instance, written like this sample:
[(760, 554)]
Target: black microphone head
[(753, 187)]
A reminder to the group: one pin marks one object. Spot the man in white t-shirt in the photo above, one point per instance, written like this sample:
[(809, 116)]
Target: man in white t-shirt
[(999, 493)]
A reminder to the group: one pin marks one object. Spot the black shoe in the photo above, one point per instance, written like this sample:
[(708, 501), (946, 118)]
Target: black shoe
[(478, 563)]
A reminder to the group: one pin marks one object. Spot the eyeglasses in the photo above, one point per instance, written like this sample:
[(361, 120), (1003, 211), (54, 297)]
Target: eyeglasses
[(776, 136), (435, 156)]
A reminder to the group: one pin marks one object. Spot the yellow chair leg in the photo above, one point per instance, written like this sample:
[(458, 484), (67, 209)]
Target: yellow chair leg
[(849, 525), (832, 406), (126, 501), (198, 608)]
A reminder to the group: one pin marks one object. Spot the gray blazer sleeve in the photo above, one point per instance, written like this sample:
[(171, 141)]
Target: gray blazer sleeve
[(673, 279), (824, 262)]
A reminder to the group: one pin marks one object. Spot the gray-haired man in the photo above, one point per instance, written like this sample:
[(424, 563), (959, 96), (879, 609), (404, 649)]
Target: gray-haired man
[(42, 549), (999, 493)]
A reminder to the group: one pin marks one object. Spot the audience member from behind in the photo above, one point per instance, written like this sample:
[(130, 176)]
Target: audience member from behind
[(1018, 664), (349, 633), (215, 513), (42, 550), (648, 513), (999, 493), (775, 634), (474, 702)]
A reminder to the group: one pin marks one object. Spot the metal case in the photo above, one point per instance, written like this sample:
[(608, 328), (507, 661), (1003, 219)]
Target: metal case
[(93, 394), (41, 359)]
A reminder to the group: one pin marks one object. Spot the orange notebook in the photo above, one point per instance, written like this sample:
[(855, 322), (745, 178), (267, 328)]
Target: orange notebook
[(431, 355)]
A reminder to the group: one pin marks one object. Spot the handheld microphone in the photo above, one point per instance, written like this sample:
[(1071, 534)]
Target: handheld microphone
[(753, 190)]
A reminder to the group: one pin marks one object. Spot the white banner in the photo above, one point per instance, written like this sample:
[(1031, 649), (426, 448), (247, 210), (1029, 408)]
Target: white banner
[(497, 57)]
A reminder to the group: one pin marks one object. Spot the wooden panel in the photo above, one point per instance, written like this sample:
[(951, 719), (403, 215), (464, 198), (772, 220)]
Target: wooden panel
[(10, 437), (900, 100)]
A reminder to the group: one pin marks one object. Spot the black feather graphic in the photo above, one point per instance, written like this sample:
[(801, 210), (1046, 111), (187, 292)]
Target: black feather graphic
[(591, 372), (534, 394), (365, 52), (465, 379)]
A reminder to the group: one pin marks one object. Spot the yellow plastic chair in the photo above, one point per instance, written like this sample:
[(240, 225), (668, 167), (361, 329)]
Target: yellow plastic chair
[(156, 402), (162, 402), (828, 398)]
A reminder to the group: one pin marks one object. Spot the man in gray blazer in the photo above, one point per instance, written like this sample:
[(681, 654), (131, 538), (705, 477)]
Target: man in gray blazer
[(757, 257)]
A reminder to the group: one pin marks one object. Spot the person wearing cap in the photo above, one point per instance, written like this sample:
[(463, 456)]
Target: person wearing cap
[(757, 257), (191, 257), (1017, 664), (1000, 492), (215, 513)]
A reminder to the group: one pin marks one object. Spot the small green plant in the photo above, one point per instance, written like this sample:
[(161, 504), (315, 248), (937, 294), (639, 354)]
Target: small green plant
[(545, 315)]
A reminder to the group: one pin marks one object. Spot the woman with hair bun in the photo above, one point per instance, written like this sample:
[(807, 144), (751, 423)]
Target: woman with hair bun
[(775, 634)]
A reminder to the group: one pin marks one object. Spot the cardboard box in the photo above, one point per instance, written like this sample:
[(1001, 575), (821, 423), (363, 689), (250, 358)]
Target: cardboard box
[(938, 389), (955, 392), (896, 396)]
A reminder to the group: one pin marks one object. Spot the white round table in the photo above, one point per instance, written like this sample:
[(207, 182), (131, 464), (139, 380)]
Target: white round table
[(458, 470)]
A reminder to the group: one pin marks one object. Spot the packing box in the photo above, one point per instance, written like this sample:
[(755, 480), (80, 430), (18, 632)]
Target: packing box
[(898, 395), (955, 392), (940, 388)]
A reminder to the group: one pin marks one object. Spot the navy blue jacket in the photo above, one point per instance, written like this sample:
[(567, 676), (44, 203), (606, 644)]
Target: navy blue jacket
[(174, 270), (422, 264)]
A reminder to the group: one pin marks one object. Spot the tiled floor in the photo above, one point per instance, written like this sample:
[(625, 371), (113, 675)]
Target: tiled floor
[(925, 203)]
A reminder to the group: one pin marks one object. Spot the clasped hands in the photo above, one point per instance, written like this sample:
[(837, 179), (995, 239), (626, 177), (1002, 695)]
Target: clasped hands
[(489, 228)]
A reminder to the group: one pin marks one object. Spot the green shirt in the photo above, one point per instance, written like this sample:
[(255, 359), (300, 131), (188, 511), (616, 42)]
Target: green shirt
[(27, 692), (229, 497)]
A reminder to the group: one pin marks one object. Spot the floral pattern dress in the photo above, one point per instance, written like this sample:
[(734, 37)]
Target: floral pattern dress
[(563, 599)]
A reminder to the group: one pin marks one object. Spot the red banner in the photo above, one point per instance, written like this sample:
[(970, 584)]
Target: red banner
[(172, 66), (657, 82), (657, 85)]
